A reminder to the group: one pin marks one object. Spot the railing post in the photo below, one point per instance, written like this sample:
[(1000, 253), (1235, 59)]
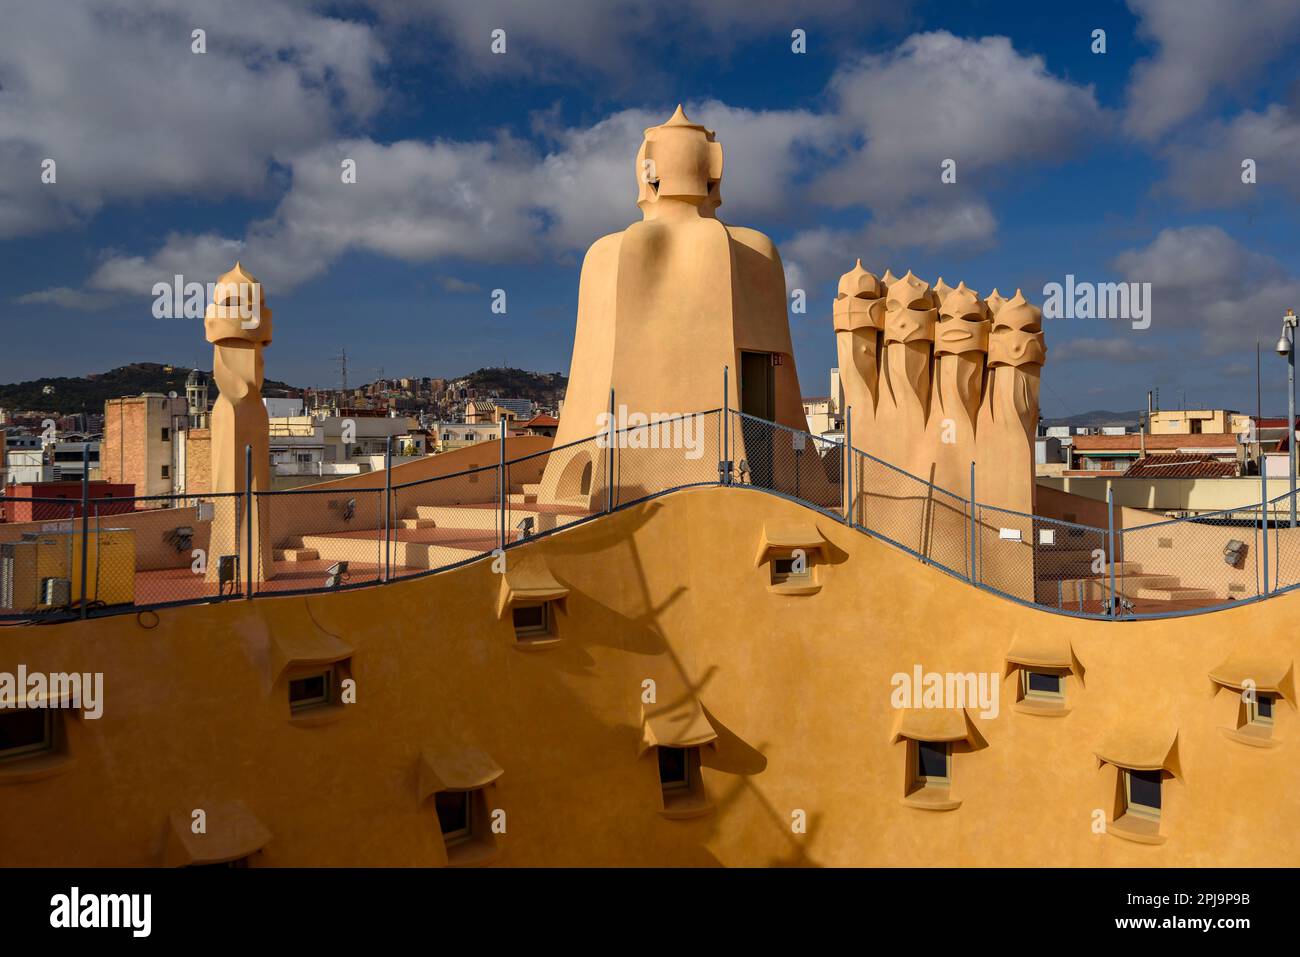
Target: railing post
[(388, 506), (609, 471), (1111, 551), (85, 522), (726, 426), (248, 515), (1263, 519), (1290, 415), (848, 465), (973, 577), (501, 486)]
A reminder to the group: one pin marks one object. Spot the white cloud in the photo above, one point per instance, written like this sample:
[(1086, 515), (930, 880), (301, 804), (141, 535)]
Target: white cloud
[(65, 298), (821, 255), (113, 93), (1203, 46), (196, 258), (619, 38), (938, 97), (1121, 348), (1203, 279), (503, 200), (490, 202), (458, 286), (587, 184), (1205, 169), (970, 225)]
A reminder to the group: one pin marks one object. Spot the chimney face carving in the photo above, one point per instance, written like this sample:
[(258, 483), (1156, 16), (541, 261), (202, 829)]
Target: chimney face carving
[(938, 378)]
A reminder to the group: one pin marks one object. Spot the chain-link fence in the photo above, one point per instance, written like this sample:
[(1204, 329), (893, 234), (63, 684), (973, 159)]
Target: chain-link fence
[(556, 488), (37, 565), (793, 464), (128, 554), (180, 549), (1206, 561), (1051, 563), (664, 455), (316, 539), (123, 554), (932, 523), (443, 521), (1004, 551), (1284, 545)]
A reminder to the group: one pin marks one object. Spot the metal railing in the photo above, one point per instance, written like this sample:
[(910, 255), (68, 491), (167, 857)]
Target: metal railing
[(75, 558)]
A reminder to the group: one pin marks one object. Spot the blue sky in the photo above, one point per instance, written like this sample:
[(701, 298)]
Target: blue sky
[(478, 171)]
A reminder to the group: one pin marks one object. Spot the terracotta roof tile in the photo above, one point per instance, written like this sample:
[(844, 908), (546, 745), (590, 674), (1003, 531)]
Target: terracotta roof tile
[(1133, 442), (1181, 466)]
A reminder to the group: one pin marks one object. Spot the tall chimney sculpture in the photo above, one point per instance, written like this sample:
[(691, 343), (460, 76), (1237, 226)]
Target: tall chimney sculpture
[(939, 378), (663, 307), (238, 324)]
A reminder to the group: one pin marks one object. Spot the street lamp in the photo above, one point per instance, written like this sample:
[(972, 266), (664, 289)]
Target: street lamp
[(1286, 349)]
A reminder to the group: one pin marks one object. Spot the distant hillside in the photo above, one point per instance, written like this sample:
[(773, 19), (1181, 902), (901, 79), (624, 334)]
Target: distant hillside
[(89, 394), (513, 382), (1098, 418)]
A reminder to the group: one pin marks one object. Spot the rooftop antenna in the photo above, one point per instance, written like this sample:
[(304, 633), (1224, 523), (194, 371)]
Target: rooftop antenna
[(1259, 394), (342, 360), (1259, 414)]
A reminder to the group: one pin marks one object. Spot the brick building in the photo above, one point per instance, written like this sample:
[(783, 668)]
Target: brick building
[(105, 499), (138, 446), (193, 465)]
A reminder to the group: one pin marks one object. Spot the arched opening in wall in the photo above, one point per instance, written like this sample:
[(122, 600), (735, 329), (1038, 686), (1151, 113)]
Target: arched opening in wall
[(575, 480)]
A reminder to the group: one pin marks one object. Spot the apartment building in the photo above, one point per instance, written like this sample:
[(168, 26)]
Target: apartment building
[(825, 413), (25, 460), (307, 448), (1113, 454), (495, 409), (457, 435), (1199, 422), (73, 457), (138, 443)]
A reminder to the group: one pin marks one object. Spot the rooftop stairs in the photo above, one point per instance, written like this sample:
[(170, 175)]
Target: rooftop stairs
[(1065, 577), (432, 536)]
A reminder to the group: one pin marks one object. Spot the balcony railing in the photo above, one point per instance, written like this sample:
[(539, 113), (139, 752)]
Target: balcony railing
[(70, 558)]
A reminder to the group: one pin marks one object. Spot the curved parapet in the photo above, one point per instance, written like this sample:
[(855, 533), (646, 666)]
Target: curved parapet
[(842, 702)]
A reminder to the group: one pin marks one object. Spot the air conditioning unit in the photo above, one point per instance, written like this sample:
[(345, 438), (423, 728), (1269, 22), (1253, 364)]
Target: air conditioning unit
[(228, 570), (7, 575), (56, 592), (33, 571)]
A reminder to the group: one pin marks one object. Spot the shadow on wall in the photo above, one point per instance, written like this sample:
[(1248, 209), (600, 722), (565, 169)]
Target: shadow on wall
[(638, 630)]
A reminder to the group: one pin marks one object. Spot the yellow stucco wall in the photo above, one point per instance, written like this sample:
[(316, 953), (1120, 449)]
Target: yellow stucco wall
[(798, 688), (1196, 495)]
